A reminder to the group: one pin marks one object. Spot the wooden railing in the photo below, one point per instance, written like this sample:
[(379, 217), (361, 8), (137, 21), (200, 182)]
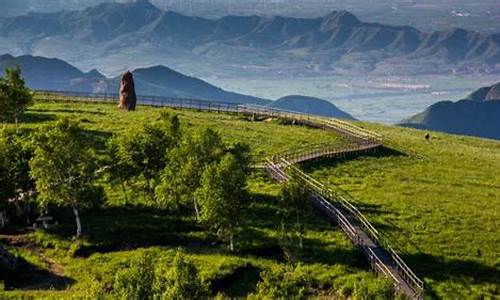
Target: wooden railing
[(325, 197)]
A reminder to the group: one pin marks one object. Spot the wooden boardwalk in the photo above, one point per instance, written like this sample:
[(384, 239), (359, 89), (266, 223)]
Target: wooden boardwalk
[(382, 258)]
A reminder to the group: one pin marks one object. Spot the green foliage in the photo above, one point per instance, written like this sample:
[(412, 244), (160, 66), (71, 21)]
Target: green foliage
[(295, 202), (280, 283), (15, 180), (144, 279), (136, 281), (181, 178), (180, 282), (63, 166), (142, 152), (15, 98), (222, 196)]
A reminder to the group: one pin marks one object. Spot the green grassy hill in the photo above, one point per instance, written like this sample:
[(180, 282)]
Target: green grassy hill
[(436, 200)]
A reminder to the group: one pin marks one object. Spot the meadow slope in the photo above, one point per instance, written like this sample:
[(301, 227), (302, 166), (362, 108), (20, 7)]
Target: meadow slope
[(436, 200)]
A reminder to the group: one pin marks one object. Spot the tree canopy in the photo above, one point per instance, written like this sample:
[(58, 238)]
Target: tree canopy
[(15, 97), (63, 167)]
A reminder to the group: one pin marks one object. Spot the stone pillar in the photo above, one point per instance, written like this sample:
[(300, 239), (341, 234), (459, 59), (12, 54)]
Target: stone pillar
[(128, 98)]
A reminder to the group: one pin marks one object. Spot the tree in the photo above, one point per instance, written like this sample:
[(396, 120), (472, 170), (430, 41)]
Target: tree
[(119, 169), (221, 195), (142, 153), (181, 178), (295, 204), (16, 183), (180, 282), (14, 96), (63, 167)]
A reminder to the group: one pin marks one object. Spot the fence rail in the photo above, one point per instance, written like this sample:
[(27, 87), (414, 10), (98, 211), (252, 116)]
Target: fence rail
[(346, 215), (330, 201)]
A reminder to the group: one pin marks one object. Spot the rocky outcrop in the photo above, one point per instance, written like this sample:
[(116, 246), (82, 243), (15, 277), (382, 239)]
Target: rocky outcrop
[(128, 98)]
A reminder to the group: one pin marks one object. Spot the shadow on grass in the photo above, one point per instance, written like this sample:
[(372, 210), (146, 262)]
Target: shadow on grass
[(30, 117), (439, 268), (316, 251), (31, 277), (335, 161), (242, 281), (98, 138), (124, 228)]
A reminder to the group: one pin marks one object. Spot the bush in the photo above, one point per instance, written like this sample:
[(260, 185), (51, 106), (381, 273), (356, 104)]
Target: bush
[(136, 282), (181, 281), (282, 284)]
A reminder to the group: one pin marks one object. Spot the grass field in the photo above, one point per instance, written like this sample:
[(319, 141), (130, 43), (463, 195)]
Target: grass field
[(437, 201)]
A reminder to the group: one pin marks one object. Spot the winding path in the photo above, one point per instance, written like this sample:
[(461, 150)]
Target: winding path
[(381, 256)]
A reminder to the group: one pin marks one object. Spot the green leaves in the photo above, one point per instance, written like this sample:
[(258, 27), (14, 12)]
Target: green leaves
[(63, 164), (64, 167), (143, 153), (221, 195), (14, 96), (180, 282), (146, 279)]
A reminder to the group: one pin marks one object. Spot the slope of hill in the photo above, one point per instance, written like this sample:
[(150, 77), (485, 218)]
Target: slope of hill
[(163, 81), (439, 211), (54, 74), (478, 115), (310, 105), (338, 42)]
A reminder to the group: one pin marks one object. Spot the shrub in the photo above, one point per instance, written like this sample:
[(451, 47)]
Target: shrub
[(181, 281), (283, 284), (136, 282)]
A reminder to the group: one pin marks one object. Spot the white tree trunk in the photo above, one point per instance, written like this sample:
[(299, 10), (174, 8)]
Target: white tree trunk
[(78, 222), (196, 210), (231, 242)]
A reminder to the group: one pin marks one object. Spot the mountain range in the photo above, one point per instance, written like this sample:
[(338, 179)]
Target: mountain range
[(339, 42), (42, 73), (476, 115)]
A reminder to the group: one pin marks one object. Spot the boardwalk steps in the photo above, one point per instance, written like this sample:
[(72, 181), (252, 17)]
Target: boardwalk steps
[(381, 256)]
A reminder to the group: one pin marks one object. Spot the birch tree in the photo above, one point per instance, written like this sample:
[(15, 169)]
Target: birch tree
[(63, 167), (222, 195)]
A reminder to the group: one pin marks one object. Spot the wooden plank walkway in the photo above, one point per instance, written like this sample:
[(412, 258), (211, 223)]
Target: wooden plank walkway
[(382, 258)]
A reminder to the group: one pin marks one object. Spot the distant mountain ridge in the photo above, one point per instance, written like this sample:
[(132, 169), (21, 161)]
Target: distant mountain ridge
[(43, 73), (54, 74), (477, 115), (310, 105), (338, 42)]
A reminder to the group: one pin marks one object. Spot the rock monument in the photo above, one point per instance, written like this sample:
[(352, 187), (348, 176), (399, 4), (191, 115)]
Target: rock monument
[(128, 98)]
